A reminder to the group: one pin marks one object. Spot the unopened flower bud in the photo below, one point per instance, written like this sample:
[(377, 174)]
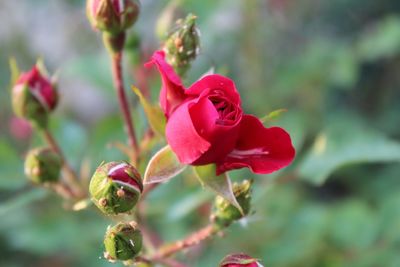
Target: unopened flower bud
[(43, 165), (112, 16), (34, 96), (115, 187), (183, 44), (239, 260), (225, 213), (122, 242)]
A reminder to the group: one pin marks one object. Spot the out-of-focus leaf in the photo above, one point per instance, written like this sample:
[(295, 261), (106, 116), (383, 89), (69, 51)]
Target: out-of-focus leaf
[(346, 141), (14, 71), (186, 205), (382, 41), (124, 148), (220, 184), (82, 204), (273, 115), (353, 226), (163, 166), (154, 113), (21, 200)]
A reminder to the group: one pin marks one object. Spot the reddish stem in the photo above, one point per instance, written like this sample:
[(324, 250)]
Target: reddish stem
[(193, 239), (71, 176), (123, 102)]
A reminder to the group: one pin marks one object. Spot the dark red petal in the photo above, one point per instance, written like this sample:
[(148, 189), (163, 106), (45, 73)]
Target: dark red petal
[(215, 82), (41, 87), (120, 172), (263, 150), (172, 92), (182, 136), (221, 137)]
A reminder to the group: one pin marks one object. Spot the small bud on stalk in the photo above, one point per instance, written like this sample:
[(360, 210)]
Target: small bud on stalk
[(34, 97), (182, 45), (112, 16), (225, 213), (239, 260), (115, 187), (122, 242), (43, 165)]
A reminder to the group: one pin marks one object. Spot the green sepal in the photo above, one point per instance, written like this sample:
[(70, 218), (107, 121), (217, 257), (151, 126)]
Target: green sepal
[(123, 241)]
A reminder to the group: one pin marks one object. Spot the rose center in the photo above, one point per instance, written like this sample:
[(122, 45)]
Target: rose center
[(227, 111)]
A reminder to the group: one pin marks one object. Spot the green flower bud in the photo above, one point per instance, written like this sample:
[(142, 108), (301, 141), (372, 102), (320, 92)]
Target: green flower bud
[(122, 242), (115, 187), (183, 44), (43, 165), (225, 213), (112, 16)]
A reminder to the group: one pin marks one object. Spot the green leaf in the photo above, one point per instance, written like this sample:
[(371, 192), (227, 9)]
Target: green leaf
[(220, 184), (380, 41), (21, 200), (14, 71), (273, 115), (346, 141), (163, 166), (154, 113)]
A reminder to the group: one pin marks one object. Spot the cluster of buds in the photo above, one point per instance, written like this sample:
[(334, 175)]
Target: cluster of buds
[(225, 213), (122, 242), (113, 18), (239, 260), (43, 165), (34, 96), (182, 45), (115, 187)]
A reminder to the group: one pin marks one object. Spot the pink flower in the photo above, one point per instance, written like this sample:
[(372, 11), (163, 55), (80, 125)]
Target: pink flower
[(43, 90), (206, 124), (239, 260)]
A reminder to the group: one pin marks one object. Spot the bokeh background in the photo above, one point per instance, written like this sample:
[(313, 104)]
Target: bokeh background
[(334, 65)]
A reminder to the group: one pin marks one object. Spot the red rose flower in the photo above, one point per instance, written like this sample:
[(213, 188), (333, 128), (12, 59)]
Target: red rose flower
[(206, 124)]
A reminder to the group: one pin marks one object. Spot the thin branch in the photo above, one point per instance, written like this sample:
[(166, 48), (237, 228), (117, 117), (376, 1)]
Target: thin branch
[(123, 102), (166, 262), (70, 176), (191, 240)]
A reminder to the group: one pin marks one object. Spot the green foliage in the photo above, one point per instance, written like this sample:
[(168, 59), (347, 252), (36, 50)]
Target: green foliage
[(346, 141), (334, 66)]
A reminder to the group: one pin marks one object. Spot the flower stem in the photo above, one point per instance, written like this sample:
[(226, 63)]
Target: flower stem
[(189, 241), (123, 102), (70, 175)]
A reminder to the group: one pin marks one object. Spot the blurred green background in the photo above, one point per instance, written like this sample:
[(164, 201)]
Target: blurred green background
[(335, 65)]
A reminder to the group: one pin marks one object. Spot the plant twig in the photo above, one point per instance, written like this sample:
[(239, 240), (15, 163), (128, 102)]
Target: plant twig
[(123, 102), (166, 262), (151, 238), (191, 240), (70, 175)]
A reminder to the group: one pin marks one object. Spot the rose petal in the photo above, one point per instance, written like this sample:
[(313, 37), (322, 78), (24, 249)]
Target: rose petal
[(215, 82), (263, 150), (43, 90), (221, 137), (182, 136), (172, 92)]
